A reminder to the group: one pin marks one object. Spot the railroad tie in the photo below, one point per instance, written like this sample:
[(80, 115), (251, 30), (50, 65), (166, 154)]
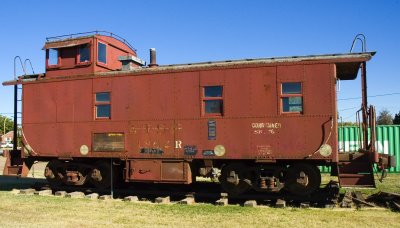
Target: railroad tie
[(131, 199), (280, 203), (250, 203), (223, 201), (60, 193), (163, 200), (93, 196), (189, 200)]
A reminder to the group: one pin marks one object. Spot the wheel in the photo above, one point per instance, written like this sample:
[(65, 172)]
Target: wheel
[(235, 178), (81, 177), (100, 175), (54, 173), (302, 179)]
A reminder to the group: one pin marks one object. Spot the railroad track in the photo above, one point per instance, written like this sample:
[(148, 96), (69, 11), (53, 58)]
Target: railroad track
[(200, 192), (210, 193)]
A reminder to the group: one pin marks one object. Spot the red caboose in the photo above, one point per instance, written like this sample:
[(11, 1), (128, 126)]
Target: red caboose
[(264, 124)]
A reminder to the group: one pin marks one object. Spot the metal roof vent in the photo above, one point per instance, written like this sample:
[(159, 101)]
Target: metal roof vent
[(130, 62), (153, 61)]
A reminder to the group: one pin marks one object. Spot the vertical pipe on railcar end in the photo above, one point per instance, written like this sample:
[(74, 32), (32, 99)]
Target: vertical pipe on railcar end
[(369, 116), (372, 120), (364, 104), (15, 117), (342, 134), (364, 83)]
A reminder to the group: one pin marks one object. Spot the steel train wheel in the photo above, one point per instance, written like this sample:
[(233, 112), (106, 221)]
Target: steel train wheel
[(54, 173), (302, 179), (101, 175), (235, 178), (59, 173)]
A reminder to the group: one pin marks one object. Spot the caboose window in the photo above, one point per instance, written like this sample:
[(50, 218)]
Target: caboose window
[(291, 97), (53, 57), (213, 100), (213, 107), (84, 53), (101, 53), (103, 105), (213, 91)]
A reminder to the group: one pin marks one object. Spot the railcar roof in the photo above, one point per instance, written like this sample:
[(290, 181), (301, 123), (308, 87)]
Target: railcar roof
[(348, 57), (347, 64), (367, 55)]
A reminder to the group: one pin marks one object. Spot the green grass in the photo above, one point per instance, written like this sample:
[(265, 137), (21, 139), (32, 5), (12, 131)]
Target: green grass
[(41, 211), (46, 211), (390, 184)]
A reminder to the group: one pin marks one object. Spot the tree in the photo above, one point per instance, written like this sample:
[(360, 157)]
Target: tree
[(396, 119), (6, 124), (384, 117), (344, 124)]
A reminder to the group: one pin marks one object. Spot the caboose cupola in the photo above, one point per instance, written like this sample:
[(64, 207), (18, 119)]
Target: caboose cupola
[(94, 52)]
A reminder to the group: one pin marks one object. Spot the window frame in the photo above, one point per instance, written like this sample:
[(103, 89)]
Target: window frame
[(204, 99), (97, 59), (78, 55), (48, 65), (288, 95), (98, 103)]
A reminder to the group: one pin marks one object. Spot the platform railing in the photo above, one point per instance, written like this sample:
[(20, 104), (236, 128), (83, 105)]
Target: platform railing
[(104, 33)]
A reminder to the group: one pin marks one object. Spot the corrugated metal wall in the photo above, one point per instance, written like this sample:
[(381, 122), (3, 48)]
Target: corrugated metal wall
[(387, 141), (389, 135)]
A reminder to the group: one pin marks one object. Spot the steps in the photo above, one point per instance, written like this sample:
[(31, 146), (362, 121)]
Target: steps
[(12, 170), (356, 173), (15, 165)]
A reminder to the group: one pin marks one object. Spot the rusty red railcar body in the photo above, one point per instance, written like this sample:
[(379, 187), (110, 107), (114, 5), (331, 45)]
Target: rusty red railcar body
[(264, 124)]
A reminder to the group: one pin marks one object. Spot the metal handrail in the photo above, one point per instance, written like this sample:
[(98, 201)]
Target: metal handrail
[(359, 129), (372, 126), (363, 42), (106, 33), (15, 67), (28, 60)]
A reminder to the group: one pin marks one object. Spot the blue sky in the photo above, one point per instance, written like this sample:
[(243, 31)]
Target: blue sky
[(195, 31)]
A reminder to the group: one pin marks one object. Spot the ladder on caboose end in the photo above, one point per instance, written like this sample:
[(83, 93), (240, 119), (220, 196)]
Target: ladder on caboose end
[(15, 164)]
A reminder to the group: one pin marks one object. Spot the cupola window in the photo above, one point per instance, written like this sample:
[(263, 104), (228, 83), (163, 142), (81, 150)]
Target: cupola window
[(84, 53), (102, 53), (53, 57)]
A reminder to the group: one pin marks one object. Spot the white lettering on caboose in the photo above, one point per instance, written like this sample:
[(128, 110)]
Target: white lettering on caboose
[(178, 144), (266, 125), (265, 128)]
